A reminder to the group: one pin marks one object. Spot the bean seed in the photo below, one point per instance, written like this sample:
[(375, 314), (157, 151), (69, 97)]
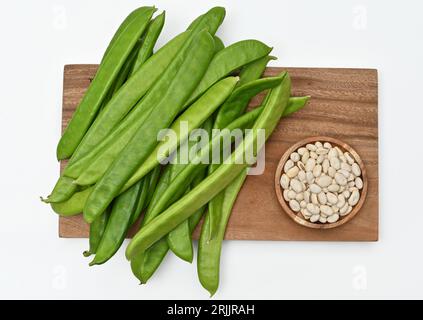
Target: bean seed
[(317, 170), (288, 165), (349, 210), (311, 147), (359, 183), (340, 179), (310, 164), (346, 194), (332, 153), (331, 172), (309, 177), (341, 201), (291, 173), (302, 175), (318, 144), (351, 177), (333, 218), (305, 213), (343, 210), (301, 165), (345, 166), (285, 195), (327, 145), (356, 169), (351, 184), (311, 208), (351, 189), (335, 209), (355, 196), (326, 210), (314, 199), (324, 181), (305, 157), (339, 151), (314, 218), (299, 197), (334, 163), (345, 173), (294, 205), (333, 188), (322, 198), (320, 159), (325, 165), (303, 204), (284, 181), (301, 151), (314, 188), (333, 199), (322, 219), (296, 185), (325, 190), (341, 189), (307, 196), (294, 157), (322, 151), (291, 194), (349, 158)]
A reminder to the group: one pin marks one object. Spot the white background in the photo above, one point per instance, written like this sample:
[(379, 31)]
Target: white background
[(39, 37)]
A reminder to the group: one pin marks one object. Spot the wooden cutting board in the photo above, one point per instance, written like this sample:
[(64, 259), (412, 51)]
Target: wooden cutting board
[(343, 105)]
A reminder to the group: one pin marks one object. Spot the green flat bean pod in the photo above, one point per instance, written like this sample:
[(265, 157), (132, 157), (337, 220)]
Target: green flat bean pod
[(149, 41), (97, 228), (72, 206), (104, 78), (117, 226), (195, 60), (228, 60), (211, 20)]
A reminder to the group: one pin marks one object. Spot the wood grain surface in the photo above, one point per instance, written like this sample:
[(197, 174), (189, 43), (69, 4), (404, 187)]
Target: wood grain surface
[(343, 105)]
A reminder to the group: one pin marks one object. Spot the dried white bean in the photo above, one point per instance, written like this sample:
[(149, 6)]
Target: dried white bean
[(345, 166), (295, 157), (359, 183), (291, 173), (340, 179), (310, 164), (299, 197), (305, 213), (301, 165), (285, 195), (327, 145), (317, 171), (320, 159), (296, 185), (314, 218), (294, 205), (332, 153), (345, 173), (351, 177), (305, 157), (288, 165), (291, 194), (351, 184), (355, 196), (284, 181), (334, 163), (301, 151), (331, 172), (301, 175), (346, 194), (307, 196), (303, 204), (322, 219), (349, 158), (313, 155), (314, 188), (335, 209), (356, 169), (341, 201), (318, 144), (333, 218), (322, 151), (333, 188), (311, 147), (324, 181), (343, 210), (309, 177), (332, 198), (325, 165), (326, 210), (312, 208), (322, 198), (314, 199)]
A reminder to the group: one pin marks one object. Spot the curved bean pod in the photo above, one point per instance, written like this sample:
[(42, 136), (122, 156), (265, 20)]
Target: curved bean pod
[(97, 229), (149, 41)]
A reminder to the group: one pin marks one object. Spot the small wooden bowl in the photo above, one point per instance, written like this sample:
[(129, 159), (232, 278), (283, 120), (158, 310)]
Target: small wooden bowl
[(297, 217)]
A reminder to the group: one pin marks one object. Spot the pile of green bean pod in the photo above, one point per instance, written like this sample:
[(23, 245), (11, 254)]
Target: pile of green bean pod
[(142, 145)]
